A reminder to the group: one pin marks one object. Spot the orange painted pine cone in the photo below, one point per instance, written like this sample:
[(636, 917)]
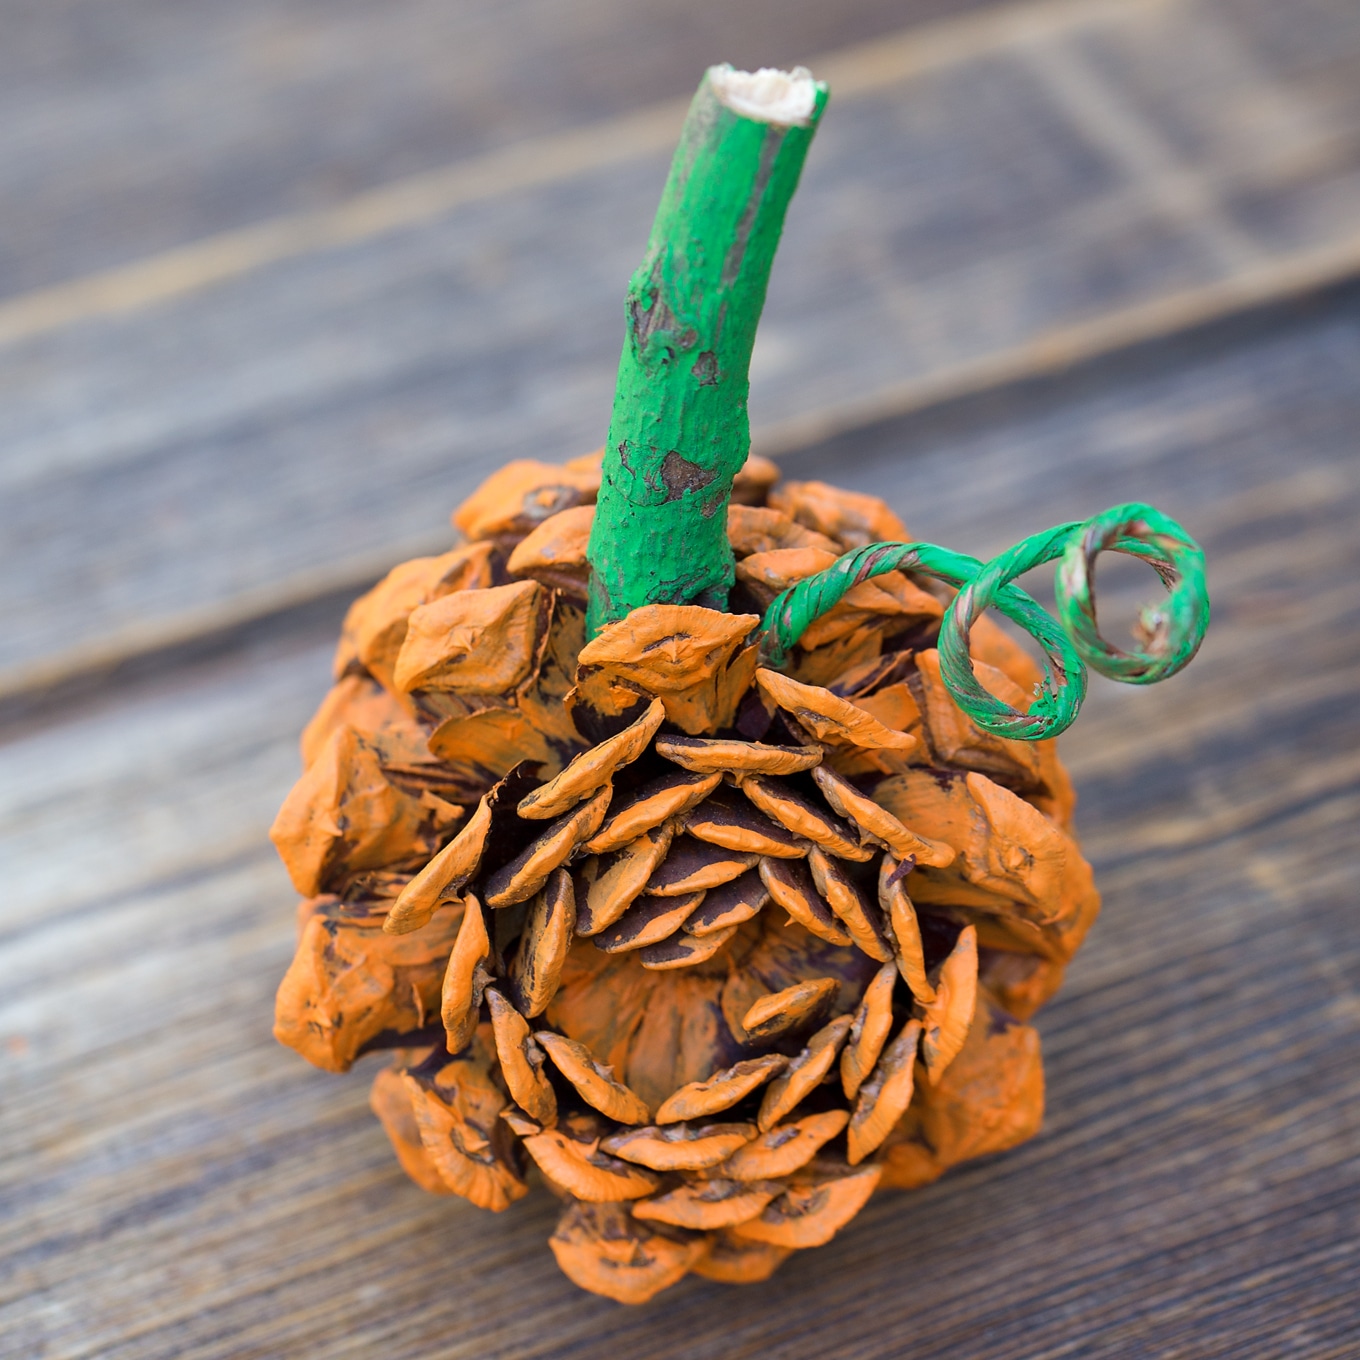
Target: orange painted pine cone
[(719, 950)]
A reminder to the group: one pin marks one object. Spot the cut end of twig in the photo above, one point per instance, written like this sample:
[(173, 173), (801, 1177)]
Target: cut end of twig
[(785, 98)]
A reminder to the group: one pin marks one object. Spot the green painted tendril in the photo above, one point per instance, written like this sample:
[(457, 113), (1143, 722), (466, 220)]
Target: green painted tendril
[(1170, 632)]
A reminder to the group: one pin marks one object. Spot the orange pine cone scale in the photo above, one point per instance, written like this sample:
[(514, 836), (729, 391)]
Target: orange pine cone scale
[(715, 951)]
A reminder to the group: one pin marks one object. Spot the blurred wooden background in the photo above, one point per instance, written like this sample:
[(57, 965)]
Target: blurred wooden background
[(280, 281)]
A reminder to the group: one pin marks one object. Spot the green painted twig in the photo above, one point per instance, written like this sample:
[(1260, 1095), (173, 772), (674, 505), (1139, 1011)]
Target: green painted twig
[(679, 432), (1171, 632)]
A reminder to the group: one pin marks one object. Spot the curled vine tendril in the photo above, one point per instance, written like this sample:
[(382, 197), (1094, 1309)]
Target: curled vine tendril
[(1169, 633)]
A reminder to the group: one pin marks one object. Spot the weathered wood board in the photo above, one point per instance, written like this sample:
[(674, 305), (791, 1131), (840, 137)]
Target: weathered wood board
[(176, 1185), (222, 432), (367, 255), (137, 126)]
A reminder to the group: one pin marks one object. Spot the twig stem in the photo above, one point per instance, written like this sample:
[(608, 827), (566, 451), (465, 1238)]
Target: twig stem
[(679, 432)]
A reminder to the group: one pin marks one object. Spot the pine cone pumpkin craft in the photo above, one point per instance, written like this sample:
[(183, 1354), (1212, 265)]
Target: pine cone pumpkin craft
[(728, 950), (674, 874)]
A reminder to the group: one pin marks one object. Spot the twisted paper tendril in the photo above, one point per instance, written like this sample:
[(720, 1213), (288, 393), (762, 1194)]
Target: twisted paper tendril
[(1170, 632)]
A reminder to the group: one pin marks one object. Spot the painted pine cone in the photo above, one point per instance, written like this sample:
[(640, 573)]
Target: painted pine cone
[(720, 949)]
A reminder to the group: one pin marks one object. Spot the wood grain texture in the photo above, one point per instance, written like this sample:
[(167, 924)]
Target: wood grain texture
[(173, 1184), (134, 127), (987, 199)]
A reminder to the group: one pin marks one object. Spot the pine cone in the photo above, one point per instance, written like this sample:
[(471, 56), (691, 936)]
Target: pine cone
[(720, 949)]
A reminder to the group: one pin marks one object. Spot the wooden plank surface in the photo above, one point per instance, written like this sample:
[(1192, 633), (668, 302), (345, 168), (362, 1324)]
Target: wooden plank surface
[(176, 1185), (281, 280), (136, 126), (269, 414)]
